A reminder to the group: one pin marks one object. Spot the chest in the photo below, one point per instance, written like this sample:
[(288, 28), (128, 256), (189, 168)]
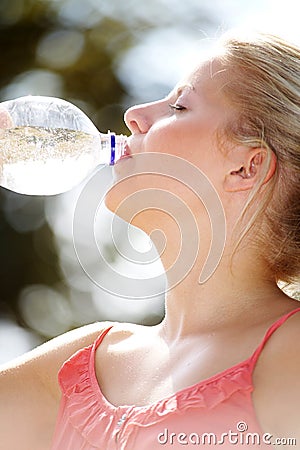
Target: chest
[(142, 375)]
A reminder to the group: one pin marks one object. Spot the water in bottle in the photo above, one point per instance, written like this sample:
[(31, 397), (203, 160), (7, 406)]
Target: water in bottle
[(48, 145)]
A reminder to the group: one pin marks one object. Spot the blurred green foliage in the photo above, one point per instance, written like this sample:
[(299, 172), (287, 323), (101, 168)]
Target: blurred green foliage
[(28, 254)]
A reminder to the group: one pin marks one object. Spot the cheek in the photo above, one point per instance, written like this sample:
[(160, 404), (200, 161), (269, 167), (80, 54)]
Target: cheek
[(165, 136), (187, 139)]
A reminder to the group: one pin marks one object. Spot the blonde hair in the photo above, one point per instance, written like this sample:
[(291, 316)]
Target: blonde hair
[(264, 91)]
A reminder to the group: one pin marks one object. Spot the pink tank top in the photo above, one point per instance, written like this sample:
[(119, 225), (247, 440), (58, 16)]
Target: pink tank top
[(217, 412)]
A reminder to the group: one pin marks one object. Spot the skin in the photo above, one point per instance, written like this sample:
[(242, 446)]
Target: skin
[(139, 365)]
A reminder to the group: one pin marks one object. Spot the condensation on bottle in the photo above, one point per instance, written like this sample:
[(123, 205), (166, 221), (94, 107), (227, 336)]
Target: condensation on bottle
[(48, 145)]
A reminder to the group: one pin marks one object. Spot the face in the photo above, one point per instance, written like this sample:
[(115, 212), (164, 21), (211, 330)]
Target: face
[(181, 127)]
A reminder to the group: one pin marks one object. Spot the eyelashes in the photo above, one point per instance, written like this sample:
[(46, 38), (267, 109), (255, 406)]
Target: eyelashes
[(176, 107)]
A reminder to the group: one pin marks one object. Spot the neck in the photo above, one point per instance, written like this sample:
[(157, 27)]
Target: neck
[(238, 288)]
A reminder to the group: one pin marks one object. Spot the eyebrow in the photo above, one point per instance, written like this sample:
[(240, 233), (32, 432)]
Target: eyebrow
[(178, 89)]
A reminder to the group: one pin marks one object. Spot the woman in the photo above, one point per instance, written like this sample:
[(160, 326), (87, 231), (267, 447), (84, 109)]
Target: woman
[(223, 366)]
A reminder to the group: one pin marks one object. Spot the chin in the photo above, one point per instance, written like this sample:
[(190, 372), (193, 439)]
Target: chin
[(123, 198)]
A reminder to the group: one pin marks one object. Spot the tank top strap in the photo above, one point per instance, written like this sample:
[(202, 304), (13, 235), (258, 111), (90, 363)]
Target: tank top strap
[(269, 333), (100, 338)]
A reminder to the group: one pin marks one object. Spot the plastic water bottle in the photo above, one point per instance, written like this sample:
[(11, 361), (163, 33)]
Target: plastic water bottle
[(48, 145)]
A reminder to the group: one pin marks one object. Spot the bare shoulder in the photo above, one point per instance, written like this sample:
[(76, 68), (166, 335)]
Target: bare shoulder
[(123, 346), (277, 381), (30, 393), (45, 360), (124, 336), (124, 362)]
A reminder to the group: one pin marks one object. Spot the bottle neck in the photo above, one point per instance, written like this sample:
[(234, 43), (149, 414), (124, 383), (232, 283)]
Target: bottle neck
[(113, 146)]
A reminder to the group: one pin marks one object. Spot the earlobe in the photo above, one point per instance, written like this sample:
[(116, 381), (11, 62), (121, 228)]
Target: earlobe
[(246, 176)]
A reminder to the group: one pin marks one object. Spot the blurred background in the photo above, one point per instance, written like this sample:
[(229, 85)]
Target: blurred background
[(103, 56)]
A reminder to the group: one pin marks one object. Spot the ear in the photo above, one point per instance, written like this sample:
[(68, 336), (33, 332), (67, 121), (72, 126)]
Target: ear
[(246, 175)]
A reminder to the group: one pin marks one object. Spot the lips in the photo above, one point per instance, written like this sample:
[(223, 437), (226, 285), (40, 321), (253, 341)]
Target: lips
[(127, 151)]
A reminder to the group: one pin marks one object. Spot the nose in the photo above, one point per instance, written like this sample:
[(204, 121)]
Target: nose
[(139, 119)]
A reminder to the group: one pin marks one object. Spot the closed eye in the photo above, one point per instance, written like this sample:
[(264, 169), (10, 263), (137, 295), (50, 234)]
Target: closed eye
[(176, 107)]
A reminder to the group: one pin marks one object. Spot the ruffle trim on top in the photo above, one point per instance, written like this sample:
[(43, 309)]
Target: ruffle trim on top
[(82, 407), (206, 394), (91, 414)]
